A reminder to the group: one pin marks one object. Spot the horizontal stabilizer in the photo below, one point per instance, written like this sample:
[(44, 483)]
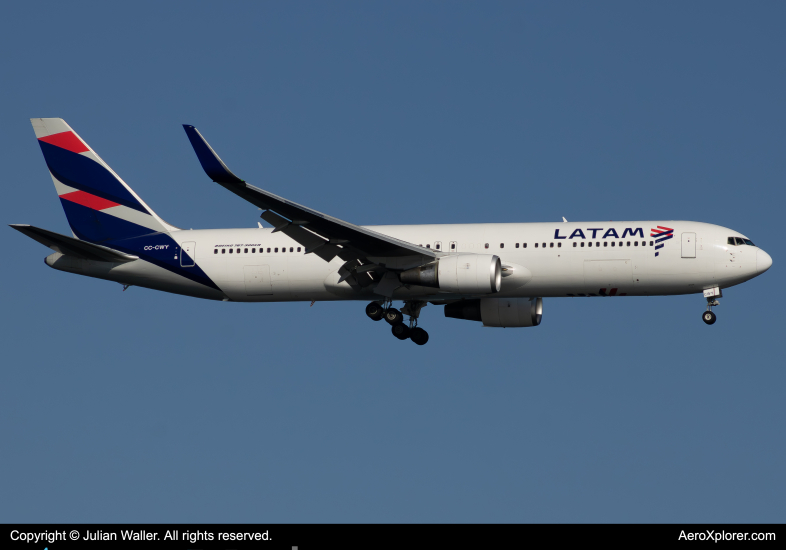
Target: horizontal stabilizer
[(210, 161), (73, 247)]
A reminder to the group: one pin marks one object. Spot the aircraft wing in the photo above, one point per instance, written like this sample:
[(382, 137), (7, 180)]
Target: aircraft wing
[(73, 247), (319, 233)]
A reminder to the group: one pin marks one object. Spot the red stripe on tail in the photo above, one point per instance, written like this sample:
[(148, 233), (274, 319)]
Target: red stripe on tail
[(67, 141), (91, 201)]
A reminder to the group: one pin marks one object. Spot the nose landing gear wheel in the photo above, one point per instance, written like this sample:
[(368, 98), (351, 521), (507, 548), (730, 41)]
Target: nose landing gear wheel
[(375, 311), (708, 317), (394, 316), (418, 335), (400, 331)]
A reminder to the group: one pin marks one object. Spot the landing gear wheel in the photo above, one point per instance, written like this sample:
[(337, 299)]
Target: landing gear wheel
[(394, 316), (375, 311), (400, 331), (708, 317), (418, 335)]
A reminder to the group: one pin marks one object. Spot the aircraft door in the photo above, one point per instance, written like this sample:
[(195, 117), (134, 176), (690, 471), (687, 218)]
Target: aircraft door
[(257, 279), (187, 254), (453, 247), (689, 245)]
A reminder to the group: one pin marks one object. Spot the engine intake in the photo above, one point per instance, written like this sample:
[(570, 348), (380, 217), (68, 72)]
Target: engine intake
[(498, 312), (463, 274)]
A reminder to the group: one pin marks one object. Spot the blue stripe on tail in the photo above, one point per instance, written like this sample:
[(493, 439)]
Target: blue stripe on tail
[(96, 227), (87, 175)]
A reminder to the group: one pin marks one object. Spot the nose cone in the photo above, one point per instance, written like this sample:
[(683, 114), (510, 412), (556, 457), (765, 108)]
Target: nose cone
[(763, 261)]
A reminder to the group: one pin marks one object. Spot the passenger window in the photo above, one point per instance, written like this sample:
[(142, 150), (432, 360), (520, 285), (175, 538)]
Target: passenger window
[(525, 245), (276, 249), (652, 243), (559, 245), (589, 244), (215, 251), (283, 249), (437, 246), (517, 245), (551, 245), (574, 245), (230, 250), (605, 243), (291, 249), (298, 249), (536, 245), (635, 243), (502, 245), (453, 246), (544, 245), (612, 243), (582, 244), (268, 251), (245, 251), (628, 243), (429, 246), (253, 250), (238, 251), (487, 245)]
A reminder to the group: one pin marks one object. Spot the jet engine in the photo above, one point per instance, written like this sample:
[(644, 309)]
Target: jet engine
[(498, 312), (463, 274)]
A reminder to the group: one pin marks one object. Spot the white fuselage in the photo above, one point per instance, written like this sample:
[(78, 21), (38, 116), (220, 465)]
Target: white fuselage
[(538, 259)]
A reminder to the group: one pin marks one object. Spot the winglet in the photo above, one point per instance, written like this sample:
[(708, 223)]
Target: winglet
[(211, 163)]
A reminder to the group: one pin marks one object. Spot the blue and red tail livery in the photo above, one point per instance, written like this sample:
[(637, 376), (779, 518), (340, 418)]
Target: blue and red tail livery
[(99, 205)]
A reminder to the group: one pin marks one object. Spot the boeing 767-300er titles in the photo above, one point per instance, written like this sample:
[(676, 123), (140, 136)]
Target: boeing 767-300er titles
[(496, 273)]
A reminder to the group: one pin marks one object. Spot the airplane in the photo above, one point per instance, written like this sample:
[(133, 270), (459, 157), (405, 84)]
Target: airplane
[(494, 273)]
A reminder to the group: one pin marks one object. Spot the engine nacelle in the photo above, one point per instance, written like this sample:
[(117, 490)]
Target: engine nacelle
[(462, 274), (498, 312)]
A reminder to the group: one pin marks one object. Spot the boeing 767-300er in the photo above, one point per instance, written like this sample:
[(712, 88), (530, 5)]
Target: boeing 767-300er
[(495, 273)]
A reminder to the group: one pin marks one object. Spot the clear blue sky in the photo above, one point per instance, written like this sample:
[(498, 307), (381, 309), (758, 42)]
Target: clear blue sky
[(144, 406)]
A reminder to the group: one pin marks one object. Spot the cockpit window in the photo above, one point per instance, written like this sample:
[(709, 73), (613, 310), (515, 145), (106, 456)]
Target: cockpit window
[(738, 241)]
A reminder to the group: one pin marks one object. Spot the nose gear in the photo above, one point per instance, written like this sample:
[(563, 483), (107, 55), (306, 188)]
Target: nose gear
[(708, 316)]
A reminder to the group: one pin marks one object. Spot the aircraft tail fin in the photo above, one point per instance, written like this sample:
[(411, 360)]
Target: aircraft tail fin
[(99, 205)]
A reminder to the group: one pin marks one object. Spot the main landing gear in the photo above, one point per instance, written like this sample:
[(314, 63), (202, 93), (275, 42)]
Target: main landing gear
[(394, 317)]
